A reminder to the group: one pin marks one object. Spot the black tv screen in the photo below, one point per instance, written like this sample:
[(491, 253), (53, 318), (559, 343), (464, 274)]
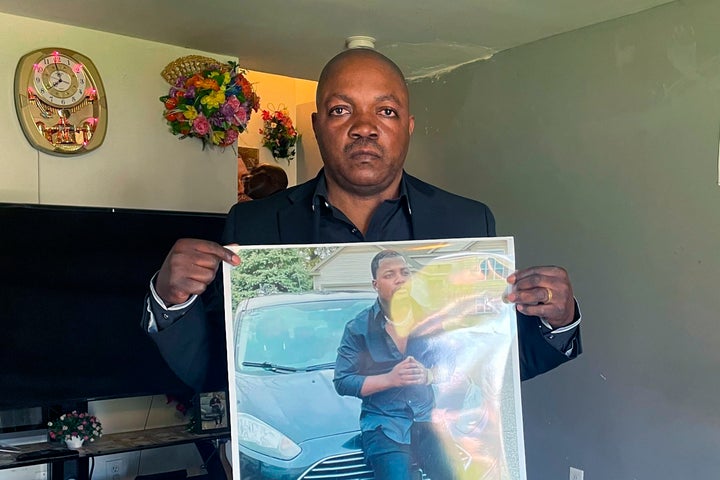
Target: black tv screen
[(72, 284)]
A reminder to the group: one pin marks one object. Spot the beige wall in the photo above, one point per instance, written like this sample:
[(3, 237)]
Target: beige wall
[(598, 150), (278, 92), (140, 165)]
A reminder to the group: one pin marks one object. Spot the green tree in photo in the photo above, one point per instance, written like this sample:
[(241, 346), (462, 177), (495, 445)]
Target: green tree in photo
[(264, 272)]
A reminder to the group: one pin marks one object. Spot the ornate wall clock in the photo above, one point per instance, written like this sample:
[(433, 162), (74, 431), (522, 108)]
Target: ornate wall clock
[(60, 101)]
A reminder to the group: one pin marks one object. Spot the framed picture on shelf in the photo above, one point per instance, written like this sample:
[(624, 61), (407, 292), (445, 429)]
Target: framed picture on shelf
[(211, 412), (249, 156)]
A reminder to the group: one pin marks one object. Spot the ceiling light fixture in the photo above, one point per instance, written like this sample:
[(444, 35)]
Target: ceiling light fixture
[(360, 41)]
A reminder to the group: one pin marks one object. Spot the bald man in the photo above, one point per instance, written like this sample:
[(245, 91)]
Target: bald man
[(363, 126)]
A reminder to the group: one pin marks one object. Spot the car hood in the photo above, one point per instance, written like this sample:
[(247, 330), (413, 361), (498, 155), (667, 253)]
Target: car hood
[(301, 405)]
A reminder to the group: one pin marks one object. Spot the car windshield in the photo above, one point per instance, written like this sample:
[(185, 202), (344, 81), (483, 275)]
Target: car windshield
[(299, 335)]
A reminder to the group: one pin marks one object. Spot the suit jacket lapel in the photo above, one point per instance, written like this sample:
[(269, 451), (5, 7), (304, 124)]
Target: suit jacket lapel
[(439, 214), (427, 216), (295, 221)]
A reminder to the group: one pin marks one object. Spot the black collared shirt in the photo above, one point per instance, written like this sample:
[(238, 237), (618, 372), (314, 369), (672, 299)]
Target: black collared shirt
[(390, 221)]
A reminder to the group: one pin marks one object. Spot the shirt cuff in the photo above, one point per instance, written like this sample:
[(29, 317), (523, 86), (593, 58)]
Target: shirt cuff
[(563, 338), (566, 328), (161, 316)]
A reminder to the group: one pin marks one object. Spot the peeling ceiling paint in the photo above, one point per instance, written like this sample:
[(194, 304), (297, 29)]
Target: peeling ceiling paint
[(433, 59)]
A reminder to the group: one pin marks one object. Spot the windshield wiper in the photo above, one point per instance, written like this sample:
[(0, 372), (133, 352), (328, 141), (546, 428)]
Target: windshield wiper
[(319, 366), (270, 366)]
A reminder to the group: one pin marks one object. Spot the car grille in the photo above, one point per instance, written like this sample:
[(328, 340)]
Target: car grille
[(349, 466)]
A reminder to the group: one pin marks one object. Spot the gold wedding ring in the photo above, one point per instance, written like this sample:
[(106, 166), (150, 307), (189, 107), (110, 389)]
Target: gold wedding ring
[(549, 295)]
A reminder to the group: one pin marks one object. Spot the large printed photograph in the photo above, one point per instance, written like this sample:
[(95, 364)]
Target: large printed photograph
[(374, 360)]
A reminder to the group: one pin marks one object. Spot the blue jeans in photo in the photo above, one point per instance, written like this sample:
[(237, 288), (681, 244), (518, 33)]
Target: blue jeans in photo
[(391, 460)]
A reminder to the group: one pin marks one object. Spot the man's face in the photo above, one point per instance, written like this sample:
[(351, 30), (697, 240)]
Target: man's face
[(391, 275), (363, 125)]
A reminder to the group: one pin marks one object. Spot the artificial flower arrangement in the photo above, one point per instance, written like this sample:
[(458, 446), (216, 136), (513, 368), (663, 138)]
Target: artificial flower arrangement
[(208, 100), (74, 424), (278, 133)]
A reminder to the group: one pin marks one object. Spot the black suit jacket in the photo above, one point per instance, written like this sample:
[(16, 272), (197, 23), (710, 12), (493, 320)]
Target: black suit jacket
[(194, 345)]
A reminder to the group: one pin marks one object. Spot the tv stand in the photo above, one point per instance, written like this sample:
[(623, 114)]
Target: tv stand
[(108, 444)]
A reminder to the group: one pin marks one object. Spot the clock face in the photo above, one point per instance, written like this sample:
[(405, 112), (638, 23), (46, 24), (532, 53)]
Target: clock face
[(59, 80), (60, 101)]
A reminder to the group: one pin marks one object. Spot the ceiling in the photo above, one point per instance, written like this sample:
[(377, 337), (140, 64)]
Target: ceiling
[(296, 37)]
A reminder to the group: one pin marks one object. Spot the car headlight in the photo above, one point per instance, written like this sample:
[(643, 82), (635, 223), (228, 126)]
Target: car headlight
[(261, 437)]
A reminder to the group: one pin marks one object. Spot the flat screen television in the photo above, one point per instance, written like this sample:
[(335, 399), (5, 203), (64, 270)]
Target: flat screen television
[(72, 284)]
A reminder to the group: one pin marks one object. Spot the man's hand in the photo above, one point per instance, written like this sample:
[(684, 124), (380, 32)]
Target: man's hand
[(408, 372), (189, 268), (543, 292)]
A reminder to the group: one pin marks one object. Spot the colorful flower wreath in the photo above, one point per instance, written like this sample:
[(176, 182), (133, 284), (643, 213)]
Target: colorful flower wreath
[(278, 133), (213, 104)]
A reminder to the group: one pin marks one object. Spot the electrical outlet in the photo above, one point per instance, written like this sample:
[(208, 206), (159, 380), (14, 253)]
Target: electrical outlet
[(114, 469), (576, 474)]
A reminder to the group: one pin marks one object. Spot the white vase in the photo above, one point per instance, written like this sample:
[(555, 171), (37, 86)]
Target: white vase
[(74, 442)]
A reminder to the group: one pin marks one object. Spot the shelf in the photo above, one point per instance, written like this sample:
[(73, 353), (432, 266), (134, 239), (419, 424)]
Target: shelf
[(108, 444), (144, 439)]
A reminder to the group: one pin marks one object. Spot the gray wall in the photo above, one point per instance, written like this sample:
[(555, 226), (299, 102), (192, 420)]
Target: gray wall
[(598, 150)]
